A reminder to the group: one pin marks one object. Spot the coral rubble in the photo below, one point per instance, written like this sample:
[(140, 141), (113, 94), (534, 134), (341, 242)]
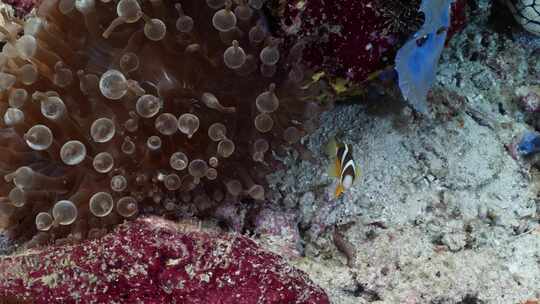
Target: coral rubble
[(114, 108), (152, 260)]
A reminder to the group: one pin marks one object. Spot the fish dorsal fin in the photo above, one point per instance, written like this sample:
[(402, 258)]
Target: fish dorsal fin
[(331, 147), (337, 167)]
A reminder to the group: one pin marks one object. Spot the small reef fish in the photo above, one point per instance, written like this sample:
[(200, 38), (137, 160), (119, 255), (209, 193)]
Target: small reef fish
[(342, 165)]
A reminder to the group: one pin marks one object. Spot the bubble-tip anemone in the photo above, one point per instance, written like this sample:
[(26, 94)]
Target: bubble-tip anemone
[(115, 108)]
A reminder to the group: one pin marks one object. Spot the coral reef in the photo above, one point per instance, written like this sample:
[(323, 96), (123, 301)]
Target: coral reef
[(152, 260), (111, 109), (354, 39), (349, 39)]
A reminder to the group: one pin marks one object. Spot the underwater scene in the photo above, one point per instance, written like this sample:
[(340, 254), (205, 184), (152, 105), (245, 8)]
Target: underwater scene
[(270, 151)]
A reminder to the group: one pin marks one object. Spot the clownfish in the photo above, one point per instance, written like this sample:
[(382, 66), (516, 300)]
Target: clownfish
[(342, 165)]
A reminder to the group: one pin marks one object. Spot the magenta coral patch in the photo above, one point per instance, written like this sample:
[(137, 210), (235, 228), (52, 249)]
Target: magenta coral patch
[(152, 260), (351, 36)]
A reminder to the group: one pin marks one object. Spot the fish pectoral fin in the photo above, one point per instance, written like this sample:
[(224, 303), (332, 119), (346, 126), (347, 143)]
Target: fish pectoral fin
[(339, 190)]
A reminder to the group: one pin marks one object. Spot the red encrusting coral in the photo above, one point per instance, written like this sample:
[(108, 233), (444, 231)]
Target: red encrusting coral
[(348, 36), (152, 260), (354, 38)]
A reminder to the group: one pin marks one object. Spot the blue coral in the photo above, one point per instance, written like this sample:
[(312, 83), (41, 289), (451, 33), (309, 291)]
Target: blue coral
[(416, 61)]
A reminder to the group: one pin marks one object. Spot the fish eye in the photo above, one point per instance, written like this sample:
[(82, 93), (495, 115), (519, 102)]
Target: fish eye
[(420, 41)]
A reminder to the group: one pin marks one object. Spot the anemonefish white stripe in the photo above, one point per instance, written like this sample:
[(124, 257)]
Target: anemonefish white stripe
[(348, 167), (349, 164), (344, 154)]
